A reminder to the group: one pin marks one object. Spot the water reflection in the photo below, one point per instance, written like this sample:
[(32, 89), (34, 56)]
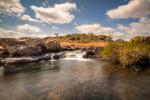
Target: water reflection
[(74, 80)]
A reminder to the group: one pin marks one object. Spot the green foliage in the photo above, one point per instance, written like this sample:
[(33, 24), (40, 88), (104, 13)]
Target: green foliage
[(135, 55), (136, 52), (140, 39), (91, 37)]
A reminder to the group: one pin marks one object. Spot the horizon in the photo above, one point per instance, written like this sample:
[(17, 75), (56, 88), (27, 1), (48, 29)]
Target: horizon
[(123, 19)]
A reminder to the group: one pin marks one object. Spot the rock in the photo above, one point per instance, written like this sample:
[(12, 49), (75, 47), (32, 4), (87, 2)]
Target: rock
[(26, 51), (44, 57), (20, 60), (53, 46), (3, 52), (90, 52), (23, 60), (10, 42), (1, 61), (69, 48), (58, 56), (25, 47)]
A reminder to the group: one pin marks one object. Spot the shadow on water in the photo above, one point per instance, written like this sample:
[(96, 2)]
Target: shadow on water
[(32, 67)]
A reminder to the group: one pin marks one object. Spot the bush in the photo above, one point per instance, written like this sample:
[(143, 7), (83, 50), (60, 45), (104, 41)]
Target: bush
[(134, 56), (111, 53), (136, 52)]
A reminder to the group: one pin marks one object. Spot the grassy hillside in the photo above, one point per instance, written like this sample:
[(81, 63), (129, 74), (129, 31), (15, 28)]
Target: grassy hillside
[(82, 38)]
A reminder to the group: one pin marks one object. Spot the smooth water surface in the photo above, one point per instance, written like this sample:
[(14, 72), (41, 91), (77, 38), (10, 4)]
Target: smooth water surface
[(65, 79)]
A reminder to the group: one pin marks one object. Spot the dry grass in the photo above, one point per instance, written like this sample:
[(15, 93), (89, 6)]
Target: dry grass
[(84, 44)]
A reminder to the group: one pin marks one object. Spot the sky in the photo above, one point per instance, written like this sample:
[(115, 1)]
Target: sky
[(40, 18)]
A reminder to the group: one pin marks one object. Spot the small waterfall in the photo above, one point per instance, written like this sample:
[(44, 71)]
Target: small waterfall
[(75, 55), (52, 57)]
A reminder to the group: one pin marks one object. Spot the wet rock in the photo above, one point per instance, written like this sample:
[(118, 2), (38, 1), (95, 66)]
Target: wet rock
[(90, 52), (23, 60), (58, 56)]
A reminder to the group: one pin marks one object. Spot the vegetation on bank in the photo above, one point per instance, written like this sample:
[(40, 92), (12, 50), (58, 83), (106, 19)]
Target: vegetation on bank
[(134, 53), (82, 37)]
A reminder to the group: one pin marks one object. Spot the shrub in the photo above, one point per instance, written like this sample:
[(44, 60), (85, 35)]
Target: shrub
[(111, 52), (134, 56), (136, 52)]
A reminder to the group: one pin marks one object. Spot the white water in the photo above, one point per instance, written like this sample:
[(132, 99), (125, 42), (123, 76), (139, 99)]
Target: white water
[(75, 55), (52, 57)]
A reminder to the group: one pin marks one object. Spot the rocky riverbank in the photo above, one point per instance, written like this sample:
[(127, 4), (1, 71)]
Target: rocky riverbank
[(27, 50)]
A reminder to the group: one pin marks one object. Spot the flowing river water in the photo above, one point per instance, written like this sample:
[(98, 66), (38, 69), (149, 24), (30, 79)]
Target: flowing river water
[(74, 78)]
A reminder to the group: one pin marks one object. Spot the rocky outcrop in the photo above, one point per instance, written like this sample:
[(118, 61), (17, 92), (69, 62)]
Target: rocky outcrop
[(27, 51), (52, 46), (70, 48), (23, 60), (4, 42), (27, 47)]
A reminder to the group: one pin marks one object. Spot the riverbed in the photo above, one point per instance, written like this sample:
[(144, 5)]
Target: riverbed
[(74, 78)]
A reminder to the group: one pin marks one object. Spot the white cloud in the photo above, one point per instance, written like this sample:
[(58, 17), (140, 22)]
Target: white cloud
[(134, 9), (29, 18), (98, 29), (26, 28), (141, 28), (94, 28), (60, 13), (10, 7), (5, 33)]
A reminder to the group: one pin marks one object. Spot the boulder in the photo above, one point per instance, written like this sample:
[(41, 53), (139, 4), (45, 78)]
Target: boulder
[(53, 46), (23, 60), (10, 42), (58, 56), (26, 51), (69, 48), (3, 52), (91, 51)]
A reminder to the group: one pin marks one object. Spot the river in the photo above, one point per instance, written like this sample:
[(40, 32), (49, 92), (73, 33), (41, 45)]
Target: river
[(74, 78)]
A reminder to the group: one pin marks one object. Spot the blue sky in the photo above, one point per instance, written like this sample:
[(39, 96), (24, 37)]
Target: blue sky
[(77, 15)]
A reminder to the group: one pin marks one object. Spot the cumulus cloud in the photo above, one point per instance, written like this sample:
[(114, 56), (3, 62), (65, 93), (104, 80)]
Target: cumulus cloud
[(60, 13), (5, 33), (29, 18), (141, 28), (134, 9), (98, 29), (10, 7), (26, 28)]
